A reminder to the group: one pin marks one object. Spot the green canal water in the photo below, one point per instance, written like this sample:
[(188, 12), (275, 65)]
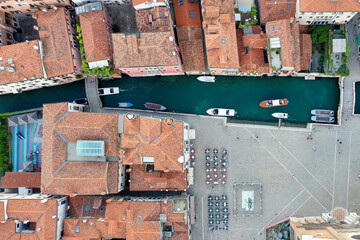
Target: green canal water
[(357, 98), (36, 98), (184, 94)]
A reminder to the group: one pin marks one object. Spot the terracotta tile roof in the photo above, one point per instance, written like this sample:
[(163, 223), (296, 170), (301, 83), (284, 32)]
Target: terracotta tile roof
[(160, 20), (21, 179), (254, 59), (34, 211), (53, 33), (95, 36), (26, 60), (128, 220), (305, 50), (191, 47), (156, 181), (329, 6), (151, 49), (182, 13), (63, 177), (255, 41), (155, 139), (289, 40), (87, 206), (220, 34), (270, 10)]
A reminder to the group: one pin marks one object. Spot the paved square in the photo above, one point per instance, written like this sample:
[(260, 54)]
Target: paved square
[(299, 176)]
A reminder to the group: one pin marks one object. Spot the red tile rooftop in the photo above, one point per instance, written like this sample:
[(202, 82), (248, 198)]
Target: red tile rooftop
[(255, 41), (191, 47), (95, 36), (148, 137), (155, 19), (26, 62), (128, 220), (63, 177), (329, 6), (156, 181), (33, 210), (305, 50), (53, 33), (220, 34), (21, 179), (151, 49), (183, 16), (271, 10), (254, 59)]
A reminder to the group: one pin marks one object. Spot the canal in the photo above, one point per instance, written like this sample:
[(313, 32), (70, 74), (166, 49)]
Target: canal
[(184, 94), (187, 95)]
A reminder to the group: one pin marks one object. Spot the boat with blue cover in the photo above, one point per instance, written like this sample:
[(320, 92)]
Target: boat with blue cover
[(125, 105)]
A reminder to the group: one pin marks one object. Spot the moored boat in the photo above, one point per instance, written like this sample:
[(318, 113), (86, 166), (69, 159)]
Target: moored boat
[(274, 103), (108, 91), (206, 78), (82, 101), (223, 112), (125, 105), (323, 119), (280, 115), (155, 106), (322, 112)]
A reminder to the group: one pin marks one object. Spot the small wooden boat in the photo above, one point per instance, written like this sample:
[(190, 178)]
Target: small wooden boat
[(274, 103), (323, 119), (322, 112), (125, 105), (206, 78), (223, 112), (280, 115), (82, 101), (154, 106), (108, 91)]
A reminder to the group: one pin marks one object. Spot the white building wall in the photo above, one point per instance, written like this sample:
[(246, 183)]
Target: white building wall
[(322, 18), (61, 214), (30, 84)]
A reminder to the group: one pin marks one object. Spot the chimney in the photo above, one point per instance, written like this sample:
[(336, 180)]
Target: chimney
[(36, 47), (36, 27)]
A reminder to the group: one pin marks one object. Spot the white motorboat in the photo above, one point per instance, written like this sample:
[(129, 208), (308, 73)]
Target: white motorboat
[(223, 112), (206, 78), (322, 112), (108, 91), (280, 115)]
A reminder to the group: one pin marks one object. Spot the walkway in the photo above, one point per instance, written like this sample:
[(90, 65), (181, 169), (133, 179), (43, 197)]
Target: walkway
[(92, 93)]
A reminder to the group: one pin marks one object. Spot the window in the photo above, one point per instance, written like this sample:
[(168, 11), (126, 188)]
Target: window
[(289, 6), (272, 28), (300, 17), (282, 12), (192, 14), (223, 41)]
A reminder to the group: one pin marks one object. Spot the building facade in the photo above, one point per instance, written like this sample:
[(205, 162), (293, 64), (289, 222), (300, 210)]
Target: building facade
[(6, 31), (29, 6), (324, 12)]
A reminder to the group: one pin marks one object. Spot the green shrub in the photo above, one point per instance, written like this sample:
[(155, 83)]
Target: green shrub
[(4, 145)]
